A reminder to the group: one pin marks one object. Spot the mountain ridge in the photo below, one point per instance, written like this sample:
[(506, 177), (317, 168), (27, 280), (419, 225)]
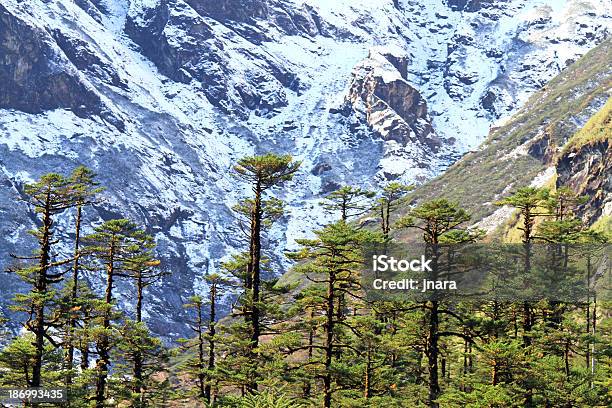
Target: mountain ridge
[(555, 152), (231, 81)]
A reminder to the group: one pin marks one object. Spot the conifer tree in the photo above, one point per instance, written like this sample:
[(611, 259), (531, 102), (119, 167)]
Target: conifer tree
[(83, 189), (349, 201), (116, 248), (197, 303), (215, 281), (3, 331), (388, 201), (530, 202), (262, 173), (17, 358), (333, 259), (139, 356), (205, 363), (142, 268), (592, 245), (17, 361), (564, 203), (49, 196), (436, 220)]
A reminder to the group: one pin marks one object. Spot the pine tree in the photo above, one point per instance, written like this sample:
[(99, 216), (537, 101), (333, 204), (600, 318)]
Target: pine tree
[(262, 173), (49, 196), (205, 364), (214, 281), (115, 248), (349, 201), (198, 326), (592, 245), (83, 189), (17, 362), (17, 358), (333, 259), (564, 203), (142, 269), (139, 356), (388, 202), (437, 220), (530, 202), (3, 330)]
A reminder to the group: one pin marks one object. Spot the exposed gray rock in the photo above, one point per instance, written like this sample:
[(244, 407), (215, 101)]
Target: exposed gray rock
[(587, 170), (34, 74), (161, 97), (393, 107)]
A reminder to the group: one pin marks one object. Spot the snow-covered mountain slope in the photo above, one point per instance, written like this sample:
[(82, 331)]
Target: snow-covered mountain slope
[(560, 137), (161, 97)]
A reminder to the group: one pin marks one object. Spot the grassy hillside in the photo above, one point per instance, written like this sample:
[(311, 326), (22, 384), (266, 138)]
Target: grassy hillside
[(516, 153), (599, 127)]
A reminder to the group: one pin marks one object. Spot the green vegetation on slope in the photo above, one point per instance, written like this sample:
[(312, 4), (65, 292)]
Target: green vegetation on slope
[(599, 127), (603, 224), (546, 122), (324, 344)]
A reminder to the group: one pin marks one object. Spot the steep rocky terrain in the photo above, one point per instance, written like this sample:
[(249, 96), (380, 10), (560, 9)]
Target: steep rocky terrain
[(585, 165), (561, 137), (160, 97)]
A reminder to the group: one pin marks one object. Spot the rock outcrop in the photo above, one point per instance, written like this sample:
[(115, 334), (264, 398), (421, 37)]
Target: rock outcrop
[(392, 107), (161, 97), (35, 74), (587, 170)]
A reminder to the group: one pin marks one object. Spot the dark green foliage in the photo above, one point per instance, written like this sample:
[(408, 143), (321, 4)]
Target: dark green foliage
[(349, 201), (320, 342)]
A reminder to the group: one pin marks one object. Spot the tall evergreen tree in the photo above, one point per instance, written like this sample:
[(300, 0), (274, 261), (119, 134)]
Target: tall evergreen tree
[(530, 202), (388, 201), (49, 196), (436, 220), (333, 259), (262, 173), (83, 189), (205, 363), (143, 269), (349, 201), (116, 248)]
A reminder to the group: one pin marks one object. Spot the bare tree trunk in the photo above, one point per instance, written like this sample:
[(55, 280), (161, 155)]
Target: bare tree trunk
[(432, 355), (255, 261), (306, 388), (41, 288), (495, 373), (73, 297), (329, 338), (201, 376), (594, 326), (211, 340), (367, 375), (84, 348), (103, 362)]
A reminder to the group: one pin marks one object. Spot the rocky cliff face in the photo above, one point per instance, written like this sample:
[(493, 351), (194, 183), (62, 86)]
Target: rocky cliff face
[(160, 97), (395, 110), (561, 135), (587, 170), (32, 73)]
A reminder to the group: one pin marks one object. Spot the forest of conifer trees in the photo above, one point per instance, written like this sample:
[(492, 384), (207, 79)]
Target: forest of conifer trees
[(311, 338)]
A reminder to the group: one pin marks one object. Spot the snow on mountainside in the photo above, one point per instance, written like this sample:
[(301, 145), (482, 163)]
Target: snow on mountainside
[(161, 97)]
